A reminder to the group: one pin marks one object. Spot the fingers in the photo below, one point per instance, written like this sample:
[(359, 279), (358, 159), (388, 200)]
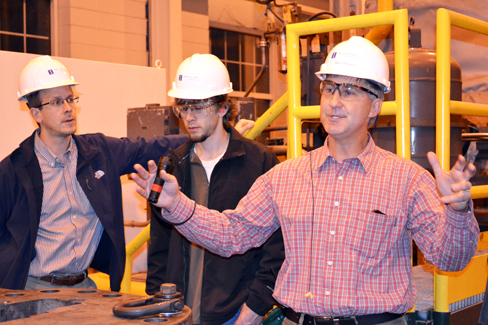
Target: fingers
[(461, 187), (243, 125), (470, 171), (434, 162), (141, 172), (143, 178)]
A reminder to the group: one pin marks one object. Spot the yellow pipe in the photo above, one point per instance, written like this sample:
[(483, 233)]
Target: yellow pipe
[(443, 95), (479, 192), (379, 33), (443, 87), (269, 116), (465, 108), (130, 249), (402, 92)]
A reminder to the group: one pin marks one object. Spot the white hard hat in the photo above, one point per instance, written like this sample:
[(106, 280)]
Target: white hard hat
[(201, 76), (43, 73), (359, 58)]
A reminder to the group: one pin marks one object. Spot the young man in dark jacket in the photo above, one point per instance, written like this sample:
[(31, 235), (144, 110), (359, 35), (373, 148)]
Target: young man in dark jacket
[(61, 202), (216, 167)]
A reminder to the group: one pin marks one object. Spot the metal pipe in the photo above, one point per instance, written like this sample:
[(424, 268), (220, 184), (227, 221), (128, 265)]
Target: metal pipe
[(263, 44), (379, 33)]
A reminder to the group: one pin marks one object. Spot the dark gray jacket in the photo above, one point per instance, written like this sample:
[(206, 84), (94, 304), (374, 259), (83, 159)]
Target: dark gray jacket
[(227, 282)]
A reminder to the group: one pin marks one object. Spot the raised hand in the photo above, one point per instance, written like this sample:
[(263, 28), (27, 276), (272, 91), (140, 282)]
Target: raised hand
[(453, 186), (145, 179)]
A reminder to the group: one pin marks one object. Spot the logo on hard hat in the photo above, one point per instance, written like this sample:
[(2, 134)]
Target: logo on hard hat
[(334, 55), (180, 77), (50, 71)]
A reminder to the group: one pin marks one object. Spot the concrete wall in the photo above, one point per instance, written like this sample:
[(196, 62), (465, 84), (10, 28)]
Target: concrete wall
[(103, 30)]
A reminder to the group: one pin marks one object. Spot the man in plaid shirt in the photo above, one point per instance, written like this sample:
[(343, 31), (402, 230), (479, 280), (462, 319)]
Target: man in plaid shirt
[(348, 210)]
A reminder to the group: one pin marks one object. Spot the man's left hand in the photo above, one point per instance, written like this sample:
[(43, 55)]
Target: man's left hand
[(453, 186), (243, 125), (248, 317)]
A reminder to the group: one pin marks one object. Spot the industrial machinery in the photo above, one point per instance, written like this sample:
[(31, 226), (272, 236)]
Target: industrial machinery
[(86, 306)]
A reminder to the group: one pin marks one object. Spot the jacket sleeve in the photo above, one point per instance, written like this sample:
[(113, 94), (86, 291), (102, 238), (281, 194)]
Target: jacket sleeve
[(126, 152), (260, 298), (157, 253)]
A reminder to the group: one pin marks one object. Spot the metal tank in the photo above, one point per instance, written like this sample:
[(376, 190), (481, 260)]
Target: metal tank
[(422, 83)]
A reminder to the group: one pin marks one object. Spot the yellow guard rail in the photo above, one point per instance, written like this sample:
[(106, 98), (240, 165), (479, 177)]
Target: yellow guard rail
[(400, 107), (450, 287)]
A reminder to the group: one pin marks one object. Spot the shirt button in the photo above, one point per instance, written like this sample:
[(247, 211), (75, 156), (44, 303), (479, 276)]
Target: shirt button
[(341, 178), (327, 293), (329, 263), (336, 204), (332, 232)]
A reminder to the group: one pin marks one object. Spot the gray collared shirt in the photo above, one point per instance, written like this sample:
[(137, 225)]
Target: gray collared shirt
[(69, 230)]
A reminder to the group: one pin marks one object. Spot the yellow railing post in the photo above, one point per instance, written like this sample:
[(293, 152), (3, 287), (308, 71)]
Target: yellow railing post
[(130, 249)]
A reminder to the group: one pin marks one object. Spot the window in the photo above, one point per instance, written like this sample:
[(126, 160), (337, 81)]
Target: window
[(243, 58), (25, 26)]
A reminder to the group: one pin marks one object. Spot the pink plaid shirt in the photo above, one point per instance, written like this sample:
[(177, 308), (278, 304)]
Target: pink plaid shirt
[(347, 230)]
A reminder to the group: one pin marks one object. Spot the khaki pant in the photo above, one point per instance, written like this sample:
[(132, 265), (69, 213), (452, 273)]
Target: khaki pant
[(35, 283)]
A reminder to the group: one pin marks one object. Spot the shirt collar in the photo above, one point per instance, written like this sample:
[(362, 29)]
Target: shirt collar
[(365, 158), (44, 151)]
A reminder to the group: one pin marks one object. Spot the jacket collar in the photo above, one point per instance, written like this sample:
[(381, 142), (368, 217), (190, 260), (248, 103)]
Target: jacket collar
[(234, 149), (86, 151)]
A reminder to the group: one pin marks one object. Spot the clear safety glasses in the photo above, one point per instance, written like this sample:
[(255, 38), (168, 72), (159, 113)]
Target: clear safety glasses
[(197, 110), (347, 91)]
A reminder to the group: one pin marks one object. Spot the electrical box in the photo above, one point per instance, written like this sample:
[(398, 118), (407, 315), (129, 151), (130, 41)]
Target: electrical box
[(150, 121)]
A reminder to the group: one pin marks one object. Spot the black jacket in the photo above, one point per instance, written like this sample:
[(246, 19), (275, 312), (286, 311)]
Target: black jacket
[(227, 282), (21, 189)]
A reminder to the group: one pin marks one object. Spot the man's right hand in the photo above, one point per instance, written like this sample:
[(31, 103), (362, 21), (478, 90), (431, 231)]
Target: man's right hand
[(145, 179)]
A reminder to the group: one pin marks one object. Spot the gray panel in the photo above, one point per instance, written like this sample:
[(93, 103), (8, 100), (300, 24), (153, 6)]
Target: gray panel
[(151, 121)]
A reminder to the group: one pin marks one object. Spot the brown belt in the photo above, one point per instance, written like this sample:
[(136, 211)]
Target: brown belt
[(341, 320), (64, 280)]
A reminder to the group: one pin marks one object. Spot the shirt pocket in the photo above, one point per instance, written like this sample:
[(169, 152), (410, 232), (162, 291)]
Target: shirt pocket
[(373, 235)]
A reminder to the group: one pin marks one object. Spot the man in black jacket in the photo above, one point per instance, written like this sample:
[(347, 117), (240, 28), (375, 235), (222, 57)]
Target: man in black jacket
[(61, 202), (216, 167)]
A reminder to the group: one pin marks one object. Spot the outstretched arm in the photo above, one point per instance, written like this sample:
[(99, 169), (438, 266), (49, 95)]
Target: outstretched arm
[(453, 186)]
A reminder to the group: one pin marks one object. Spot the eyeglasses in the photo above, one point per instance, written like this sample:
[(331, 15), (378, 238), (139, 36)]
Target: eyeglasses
[(59, 102), (347, 91), (196, 110)]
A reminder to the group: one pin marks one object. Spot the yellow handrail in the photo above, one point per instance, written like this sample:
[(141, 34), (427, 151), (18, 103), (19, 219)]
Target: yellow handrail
[(130, 249), (445, 107), (400, 107), (269, 116)]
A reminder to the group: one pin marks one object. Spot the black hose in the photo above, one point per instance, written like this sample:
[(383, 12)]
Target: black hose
[(263, 59), (322, 13)]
